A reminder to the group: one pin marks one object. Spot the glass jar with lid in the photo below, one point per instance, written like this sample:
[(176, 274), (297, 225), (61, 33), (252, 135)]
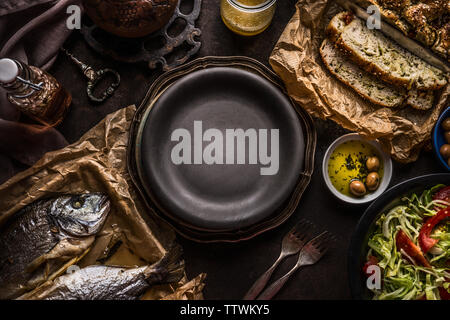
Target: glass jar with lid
[(247, 17)]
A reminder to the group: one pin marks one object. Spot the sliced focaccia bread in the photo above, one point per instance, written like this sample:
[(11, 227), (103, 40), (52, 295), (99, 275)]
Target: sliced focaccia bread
[(366, 85), (377, 54)]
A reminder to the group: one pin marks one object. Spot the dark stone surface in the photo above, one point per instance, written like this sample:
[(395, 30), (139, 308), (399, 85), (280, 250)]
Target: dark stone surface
[(232, 268)]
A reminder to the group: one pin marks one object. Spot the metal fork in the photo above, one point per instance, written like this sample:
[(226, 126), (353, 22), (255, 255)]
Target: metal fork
[(293, 241), (310, 254)]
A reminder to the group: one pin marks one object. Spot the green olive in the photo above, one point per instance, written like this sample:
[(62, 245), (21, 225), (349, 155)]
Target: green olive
[(446, 124), (373, 164), (373, 181), (357, 188), (445, 151), (447, 136)]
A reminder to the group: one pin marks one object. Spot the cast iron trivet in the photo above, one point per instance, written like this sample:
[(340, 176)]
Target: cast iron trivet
[(161, 47)]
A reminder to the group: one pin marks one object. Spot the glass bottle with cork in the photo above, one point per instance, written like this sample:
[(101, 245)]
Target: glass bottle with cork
[(247, 17), (34, 92)]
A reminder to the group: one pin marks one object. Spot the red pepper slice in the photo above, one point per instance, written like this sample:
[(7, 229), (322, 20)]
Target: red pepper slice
[(403, 242), (426, 243), (442, 194)]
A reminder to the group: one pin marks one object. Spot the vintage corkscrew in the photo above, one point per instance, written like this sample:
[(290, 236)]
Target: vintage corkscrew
[(94, 77)]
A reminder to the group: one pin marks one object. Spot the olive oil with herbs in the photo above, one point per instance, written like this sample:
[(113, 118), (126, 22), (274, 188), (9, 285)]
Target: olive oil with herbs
[(348, 162)]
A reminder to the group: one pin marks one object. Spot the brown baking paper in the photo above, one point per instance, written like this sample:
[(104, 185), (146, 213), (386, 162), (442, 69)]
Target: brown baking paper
[(97, 163), (295, 58)]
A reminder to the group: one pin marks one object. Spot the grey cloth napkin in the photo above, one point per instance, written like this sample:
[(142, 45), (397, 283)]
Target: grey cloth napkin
[(32, 31)]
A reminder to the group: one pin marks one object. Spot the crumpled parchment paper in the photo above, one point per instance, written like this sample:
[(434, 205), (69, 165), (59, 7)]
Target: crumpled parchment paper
[(97, 163), (295, 58)]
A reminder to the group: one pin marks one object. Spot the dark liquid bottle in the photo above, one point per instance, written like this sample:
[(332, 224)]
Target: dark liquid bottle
[(34, 92)]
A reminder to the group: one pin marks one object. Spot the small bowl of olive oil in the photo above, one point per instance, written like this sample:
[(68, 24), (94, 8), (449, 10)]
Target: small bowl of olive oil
[(356, 170)]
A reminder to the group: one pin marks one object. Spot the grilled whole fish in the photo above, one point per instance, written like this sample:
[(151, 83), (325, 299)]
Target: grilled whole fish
[(99, 282), (42, 237)]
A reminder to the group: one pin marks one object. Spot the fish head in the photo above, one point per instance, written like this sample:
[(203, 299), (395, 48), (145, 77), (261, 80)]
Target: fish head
[(80, 215)]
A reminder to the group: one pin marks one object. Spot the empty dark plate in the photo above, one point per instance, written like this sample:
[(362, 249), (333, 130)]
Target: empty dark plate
[(219, 196), (389, 199)]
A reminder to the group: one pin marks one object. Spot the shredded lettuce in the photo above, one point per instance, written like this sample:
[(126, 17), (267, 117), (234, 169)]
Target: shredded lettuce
[(401, 278)]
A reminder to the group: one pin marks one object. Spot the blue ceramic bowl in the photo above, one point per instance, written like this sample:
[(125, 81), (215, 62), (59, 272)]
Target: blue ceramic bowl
[(438, 137)]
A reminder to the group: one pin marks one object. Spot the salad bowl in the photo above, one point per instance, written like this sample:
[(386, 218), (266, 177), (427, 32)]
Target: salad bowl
[(357, 255)]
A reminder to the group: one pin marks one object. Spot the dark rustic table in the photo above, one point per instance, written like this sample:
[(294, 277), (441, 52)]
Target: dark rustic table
[(232, 268)]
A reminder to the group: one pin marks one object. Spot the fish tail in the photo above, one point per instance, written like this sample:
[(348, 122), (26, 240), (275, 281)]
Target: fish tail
[(169, 269)]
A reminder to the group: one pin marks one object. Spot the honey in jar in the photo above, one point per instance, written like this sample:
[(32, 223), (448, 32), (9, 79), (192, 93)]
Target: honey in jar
[(247, 17)]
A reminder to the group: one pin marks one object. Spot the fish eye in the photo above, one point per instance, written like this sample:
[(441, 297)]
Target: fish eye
[(77, 203)]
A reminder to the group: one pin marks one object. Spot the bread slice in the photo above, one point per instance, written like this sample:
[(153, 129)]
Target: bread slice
[(337, 25), (377, 54), (366, 85), (420, 100)]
